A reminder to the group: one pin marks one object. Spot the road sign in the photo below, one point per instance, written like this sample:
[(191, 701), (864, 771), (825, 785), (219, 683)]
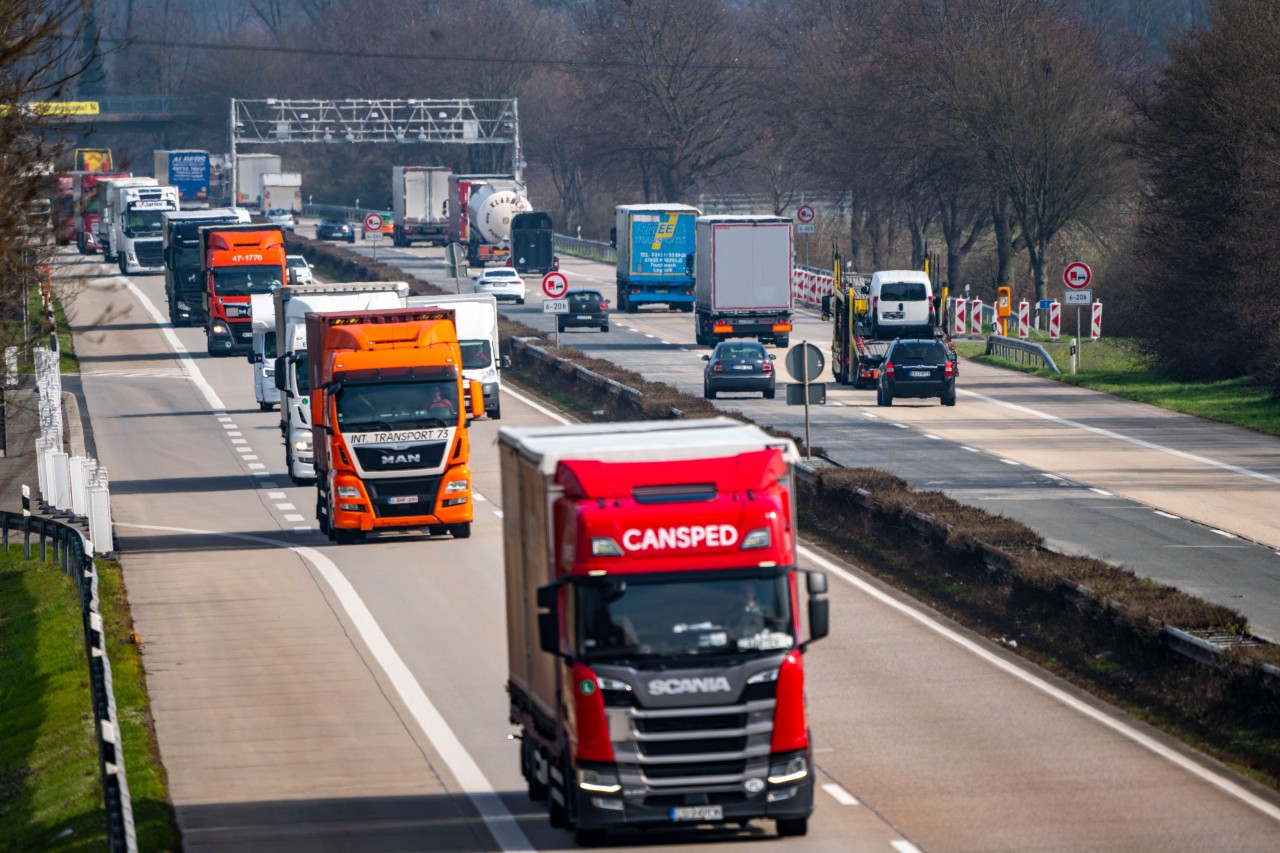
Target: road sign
[(817, 394), (805, 214), (374, 236), (1077, 275), (805, 362), (555, 306), (372, 222), (806, 228), (555, 285), (1077, 297)]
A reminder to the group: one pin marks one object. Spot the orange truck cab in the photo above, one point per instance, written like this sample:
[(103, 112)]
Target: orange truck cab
[(238, 262), (390, 433)]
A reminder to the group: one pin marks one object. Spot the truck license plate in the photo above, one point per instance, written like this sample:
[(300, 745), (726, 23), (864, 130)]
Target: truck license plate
[(697, 813), (403, 499)]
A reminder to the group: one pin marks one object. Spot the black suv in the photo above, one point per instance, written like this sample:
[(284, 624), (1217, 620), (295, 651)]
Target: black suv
[(586, 308), (917, 368)]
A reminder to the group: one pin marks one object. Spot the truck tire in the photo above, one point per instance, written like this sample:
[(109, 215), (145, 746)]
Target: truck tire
[(792, 827), (342, 536), (537, 789), (590, 837), (461, 531), (123, 264), (782, 341), (322, 514)]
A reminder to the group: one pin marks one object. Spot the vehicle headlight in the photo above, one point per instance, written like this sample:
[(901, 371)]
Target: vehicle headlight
[(348, 492), (758, 538), (600, 781), (302, 444), (457, 486), (789, 769), (218, 328)]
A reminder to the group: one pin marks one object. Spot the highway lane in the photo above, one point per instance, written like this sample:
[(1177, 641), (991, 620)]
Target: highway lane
[(1174, 498), (931, 738)]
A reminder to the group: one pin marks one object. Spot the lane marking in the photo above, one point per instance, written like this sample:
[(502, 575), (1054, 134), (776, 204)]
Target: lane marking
[(1050, 476), (1106, 433), (904, 847), (294, 517), (1223, 533), (277, 496), (934, 437), (840, 795), (1007, 461), (506, 832), (1101, 491), (1121, 728), (1168, 515), (285, 506)]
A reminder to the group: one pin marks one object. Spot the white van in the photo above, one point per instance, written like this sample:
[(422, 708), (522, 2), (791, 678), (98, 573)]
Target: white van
[(901, 305), (477, 320)]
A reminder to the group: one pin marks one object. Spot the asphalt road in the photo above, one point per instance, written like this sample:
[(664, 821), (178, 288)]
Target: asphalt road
[(315, 697)]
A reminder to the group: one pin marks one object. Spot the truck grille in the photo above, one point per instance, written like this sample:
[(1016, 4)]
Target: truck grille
[(150, 253), (424, 488)]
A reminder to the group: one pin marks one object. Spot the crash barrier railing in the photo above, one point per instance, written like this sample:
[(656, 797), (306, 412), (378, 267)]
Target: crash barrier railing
[(67, 547), (527, 347), (591, 249), (1023, 352), (73, 485)]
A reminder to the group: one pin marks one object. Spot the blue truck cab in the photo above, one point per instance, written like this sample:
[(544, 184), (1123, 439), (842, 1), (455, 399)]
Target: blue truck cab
[(654, 243)]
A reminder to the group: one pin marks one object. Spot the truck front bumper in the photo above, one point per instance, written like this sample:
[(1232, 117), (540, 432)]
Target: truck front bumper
[(229, 337), (402, 502), (612, 811)]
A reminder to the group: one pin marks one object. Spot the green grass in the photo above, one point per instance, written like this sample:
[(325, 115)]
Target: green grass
[(1115, 367), (50, 792)]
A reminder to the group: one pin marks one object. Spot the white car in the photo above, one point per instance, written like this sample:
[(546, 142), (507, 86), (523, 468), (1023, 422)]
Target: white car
[(299, 270), (282, 216), (502, 283)]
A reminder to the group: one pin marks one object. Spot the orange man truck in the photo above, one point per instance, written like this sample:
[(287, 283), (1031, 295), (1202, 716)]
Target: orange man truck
[(654, 624), (390, 438), (237, 263)]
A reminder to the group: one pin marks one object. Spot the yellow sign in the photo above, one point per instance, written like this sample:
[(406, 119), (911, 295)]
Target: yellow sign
[(64, 108), (94, 159)]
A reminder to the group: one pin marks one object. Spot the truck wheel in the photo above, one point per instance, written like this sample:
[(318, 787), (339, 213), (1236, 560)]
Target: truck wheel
[(793, 827), (782, 341), (210, 349), (461, 531), (265, 406), (687, 307), (343, 536), (322, 514), (590, 837), (124, 265)]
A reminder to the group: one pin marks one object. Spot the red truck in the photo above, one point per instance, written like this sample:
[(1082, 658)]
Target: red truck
[(86, 206), (237, 262), (654, 625), (390, 438)]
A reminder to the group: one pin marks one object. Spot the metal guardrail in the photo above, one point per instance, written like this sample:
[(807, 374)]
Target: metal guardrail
[(1023, 352), (72, 553), (591, 249)]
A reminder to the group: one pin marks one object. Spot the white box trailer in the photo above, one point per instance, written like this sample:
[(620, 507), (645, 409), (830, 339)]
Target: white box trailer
[(476, 317), (249, 171), (281, 191), (742, 282), (420, 204)]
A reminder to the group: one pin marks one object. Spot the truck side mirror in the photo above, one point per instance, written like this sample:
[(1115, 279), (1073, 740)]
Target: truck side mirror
[(477, 398), (826, 308), (505, 364), (613, 237), (252, 357), (688, 264), (549, 618), (819, 607), (282, 377)]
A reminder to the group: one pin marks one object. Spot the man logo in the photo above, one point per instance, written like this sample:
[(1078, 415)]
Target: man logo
[(403, 459)]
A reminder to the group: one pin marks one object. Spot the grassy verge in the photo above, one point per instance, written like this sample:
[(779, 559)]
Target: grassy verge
[(1113, 366), (50, 792)]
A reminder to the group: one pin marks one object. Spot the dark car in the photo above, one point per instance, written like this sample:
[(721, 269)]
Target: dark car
[(335, 229), (917, 368), (738, 366), (586, 308)]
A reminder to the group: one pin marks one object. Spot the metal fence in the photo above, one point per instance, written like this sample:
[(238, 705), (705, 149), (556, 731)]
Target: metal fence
[(1023, 352)]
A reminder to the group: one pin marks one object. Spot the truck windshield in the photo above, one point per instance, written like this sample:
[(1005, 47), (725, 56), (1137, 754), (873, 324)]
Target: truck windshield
[(144, 222), (675, 616), (398, 405), (246, 280), (476, 354)]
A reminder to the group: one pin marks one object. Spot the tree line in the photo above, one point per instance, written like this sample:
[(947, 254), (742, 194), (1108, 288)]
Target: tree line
[(1005, 137)]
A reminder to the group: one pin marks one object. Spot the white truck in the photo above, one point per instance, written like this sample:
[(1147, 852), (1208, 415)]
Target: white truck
[(420, 204), (133, 222), (476, 316), (263, 354), (249, 171), (281, 191), (742, 281), (291, 306)]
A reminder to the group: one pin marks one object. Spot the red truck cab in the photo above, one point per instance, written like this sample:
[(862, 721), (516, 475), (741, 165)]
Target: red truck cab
[(237, 263)]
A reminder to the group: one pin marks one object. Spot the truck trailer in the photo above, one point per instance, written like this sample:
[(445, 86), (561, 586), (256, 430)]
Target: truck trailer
[(654, 243), (88, 191), (183, 285), (742, 282), (481, 208), (393, 452), (237, 262), (655, 646), (420, 204), (281, 191), (249, 171), (189, 171), (533, 243), (292, 305)]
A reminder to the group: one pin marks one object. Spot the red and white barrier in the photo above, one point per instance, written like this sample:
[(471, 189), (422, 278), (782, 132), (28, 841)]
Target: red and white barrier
[(1024, 319), (975, 317), (809, 287), (1055, 321), (958, 321), (1095, 326)]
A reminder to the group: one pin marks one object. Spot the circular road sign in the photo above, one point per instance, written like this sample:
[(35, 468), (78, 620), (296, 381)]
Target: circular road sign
[(555, 285), (372, 222), (805, 362), (1077, 275), (804, 213)]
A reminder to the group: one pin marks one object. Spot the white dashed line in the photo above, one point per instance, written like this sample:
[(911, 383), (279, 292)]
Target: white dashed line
[(1223, 533), (840, 795), (1169, 515), (1007, 461), (904, 847), (258, 465), (934, 437), (870, 415), (665, 343), (248, 458), (293, 516), (284, 506), (244, 450), (225, 419), (902, 426), (478, 498), (1101, 492), (647, 335), (276, 496), (1050, 476), (302, 530), (498, 513), (238, 440), (264, 483), (970, 449)]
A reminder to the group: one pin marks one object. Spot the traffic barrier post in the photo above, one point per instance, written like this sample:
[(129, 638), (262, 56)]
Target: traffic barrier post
[(1095, 326), (1055, 320), (1024, 320), (975, 314), (959, 310)]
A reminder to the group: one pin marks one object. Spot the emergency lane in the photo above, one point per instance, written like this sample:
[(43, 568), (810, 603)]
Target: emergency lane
[(896, 711)]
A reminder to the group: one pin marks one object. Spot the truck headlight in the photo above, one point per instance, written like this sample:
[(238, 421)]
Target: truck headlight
[(348, 492), (599, 781), (788, 769), (219, 329), (457, 486), (758, 538)]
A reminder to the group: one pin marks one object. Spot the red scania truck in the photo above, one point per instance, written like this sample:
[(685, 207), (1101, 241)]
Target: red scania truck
[(654, 624), (390, 438)]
